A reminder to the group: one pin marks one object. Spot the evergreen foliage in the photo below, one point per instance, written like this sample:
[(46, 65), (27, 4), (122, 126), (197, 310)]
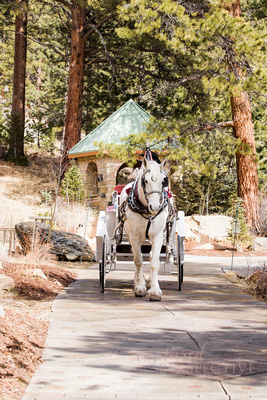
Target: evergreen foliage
[(72, 185), (239, 228), (169, 56)]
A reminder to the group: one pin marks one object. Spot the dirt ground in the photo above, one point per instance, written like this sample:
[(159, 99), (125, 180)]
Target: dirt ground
[(191, 247), (23, 328)]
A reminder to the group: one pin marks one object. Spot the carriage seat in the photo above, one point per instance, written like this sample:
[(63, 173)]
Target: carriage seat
[(119, 188)]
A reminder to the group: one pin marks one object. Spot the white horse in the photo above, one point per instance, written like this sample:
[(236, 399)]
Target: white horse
[(150, 204)]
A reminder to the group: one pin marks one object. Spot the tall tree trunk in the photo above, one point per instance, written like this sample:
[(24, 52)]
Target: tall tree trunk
[(247, 174), (16, 138), (73, 123), (39, 102)]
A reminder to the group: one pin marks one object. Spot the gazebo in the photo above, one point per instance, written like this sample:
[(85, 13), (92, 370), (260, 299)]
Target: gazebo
[(100, 174)]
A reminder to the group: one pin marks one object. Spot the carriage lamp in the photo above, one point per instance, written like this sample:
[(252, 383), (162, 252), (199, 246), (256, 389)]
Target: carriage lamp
[(100, 178)]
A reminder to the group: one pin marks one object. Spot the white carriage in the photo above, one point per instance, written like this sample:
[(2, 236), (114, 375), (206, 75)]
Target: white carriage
[(112, 246)]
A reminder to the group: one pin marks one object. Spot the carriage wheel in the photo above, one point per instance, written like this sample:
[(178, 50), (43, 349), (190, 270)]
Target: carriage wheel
[(180, 264), (102, 266)]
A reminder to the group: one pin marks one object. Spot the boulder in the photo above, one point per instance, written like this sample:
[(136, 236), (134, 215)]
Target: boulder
[(260, 243), (35, 273), (3, 252), (213, 226), (2, 312), (234, 277), (6, 283), (189, 234), (65, 245), (206, 246)]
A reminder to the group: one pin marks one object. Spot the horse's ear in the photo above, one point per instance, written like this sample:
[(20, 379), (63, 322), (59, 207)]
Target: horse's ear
[(145, 162), (163, 165)]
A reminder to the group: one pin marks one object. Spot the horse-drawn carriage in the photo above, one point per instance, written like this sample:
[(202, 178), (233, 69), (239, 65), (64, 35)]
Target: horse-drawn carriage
[(141, 225)]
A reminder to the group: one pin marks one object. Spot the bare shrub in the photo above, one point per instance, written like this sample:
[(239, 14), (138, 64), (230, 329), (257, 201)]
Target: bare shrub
[(38, 254), (257, 283), (261, 226)]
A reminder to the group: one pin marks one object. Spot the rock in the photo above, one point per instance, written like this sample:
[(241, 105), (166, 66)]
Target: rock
[(65, 245), (189, 234), (206, 246), (214, 226), (35, 273), (3, 252), (260, 243), (6, 283), (233, 277), (218, 246), (2, 312)]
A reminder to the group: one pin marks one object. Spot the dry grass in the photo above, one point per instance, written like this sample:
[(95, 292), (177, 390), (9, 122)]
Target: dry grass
[(36, 288), (256, 284)]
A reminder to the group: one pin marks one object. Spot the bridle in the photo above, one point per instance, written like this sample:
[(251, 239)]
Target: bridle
[(146, 194), (134, 202)]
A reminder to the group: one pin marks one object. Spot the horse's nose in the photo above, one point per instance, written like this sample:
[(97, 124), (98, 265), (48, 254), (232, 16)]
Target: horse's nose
[(151, 209)]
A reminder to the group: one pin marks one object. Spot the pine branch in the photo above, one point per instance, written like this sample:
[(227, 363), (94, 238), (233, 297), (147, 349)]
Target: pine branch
[(65, 3), (38, 42), (98, 25), (105, 48), (49, 46), (226, 124)]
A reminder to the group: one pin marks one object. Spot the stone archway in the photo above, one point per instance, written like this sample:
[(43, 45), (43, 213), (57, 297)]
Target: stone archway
[(125, 174), (91, 181)]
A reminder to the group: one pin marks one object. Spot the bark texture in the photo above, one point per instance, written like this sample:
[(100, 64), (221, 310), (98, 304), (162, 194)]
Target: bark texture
[(246, 160), (73, 123), (16, 138)]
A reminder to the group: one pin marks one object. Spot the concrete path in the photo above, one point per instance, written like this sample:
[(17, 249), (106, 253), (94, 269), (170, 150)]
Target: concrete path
[(208, 341)]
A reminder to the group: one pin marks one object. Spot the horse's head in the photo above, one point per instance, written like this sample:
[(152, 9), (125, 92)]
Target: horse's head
[(152, 184)]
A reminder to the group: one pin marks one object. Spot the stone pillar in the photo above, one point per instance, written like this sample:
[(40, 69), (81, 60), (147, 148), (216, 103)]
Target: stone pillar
[(108, 168)]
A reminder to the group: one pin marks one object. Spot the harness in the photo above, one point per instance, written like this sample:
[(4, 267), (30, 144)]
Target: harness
[(135, 204)]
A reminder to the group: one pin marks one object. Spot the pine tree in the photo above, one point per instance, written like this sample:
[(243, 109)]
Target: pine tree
[(194, 50), (72, 184), (16, 138), (247, 174)]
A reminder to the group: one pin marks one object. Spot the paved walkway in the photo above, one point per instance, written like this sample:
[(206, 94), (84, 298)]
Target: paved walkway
[(207, 342)]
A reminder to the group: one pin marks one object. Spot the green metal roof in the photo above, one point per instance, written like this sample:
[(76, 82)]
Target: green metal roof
[(128, 119)]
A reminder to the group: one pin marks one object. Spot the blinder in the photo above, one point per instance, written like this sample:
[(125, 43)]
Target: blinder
[(143, 183), (165, 182)]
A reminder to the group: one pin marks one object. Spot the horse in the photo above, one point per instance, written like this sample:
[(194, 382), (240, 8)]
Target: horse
[(145, 213)]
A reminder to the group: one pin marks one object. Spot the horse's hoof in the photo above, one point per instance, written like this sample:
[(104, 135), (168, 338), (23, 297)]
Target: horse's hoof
[(154, 297), (140, 293)]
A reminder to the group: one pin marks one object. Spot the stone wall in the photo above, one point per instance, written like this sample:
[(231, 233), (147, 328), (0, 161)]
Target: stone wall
[(107, 169)]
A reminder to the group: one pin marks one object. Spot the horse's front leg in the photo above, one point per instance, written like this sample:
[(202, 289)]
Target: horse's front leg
[(139, 280), (154, 290)]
